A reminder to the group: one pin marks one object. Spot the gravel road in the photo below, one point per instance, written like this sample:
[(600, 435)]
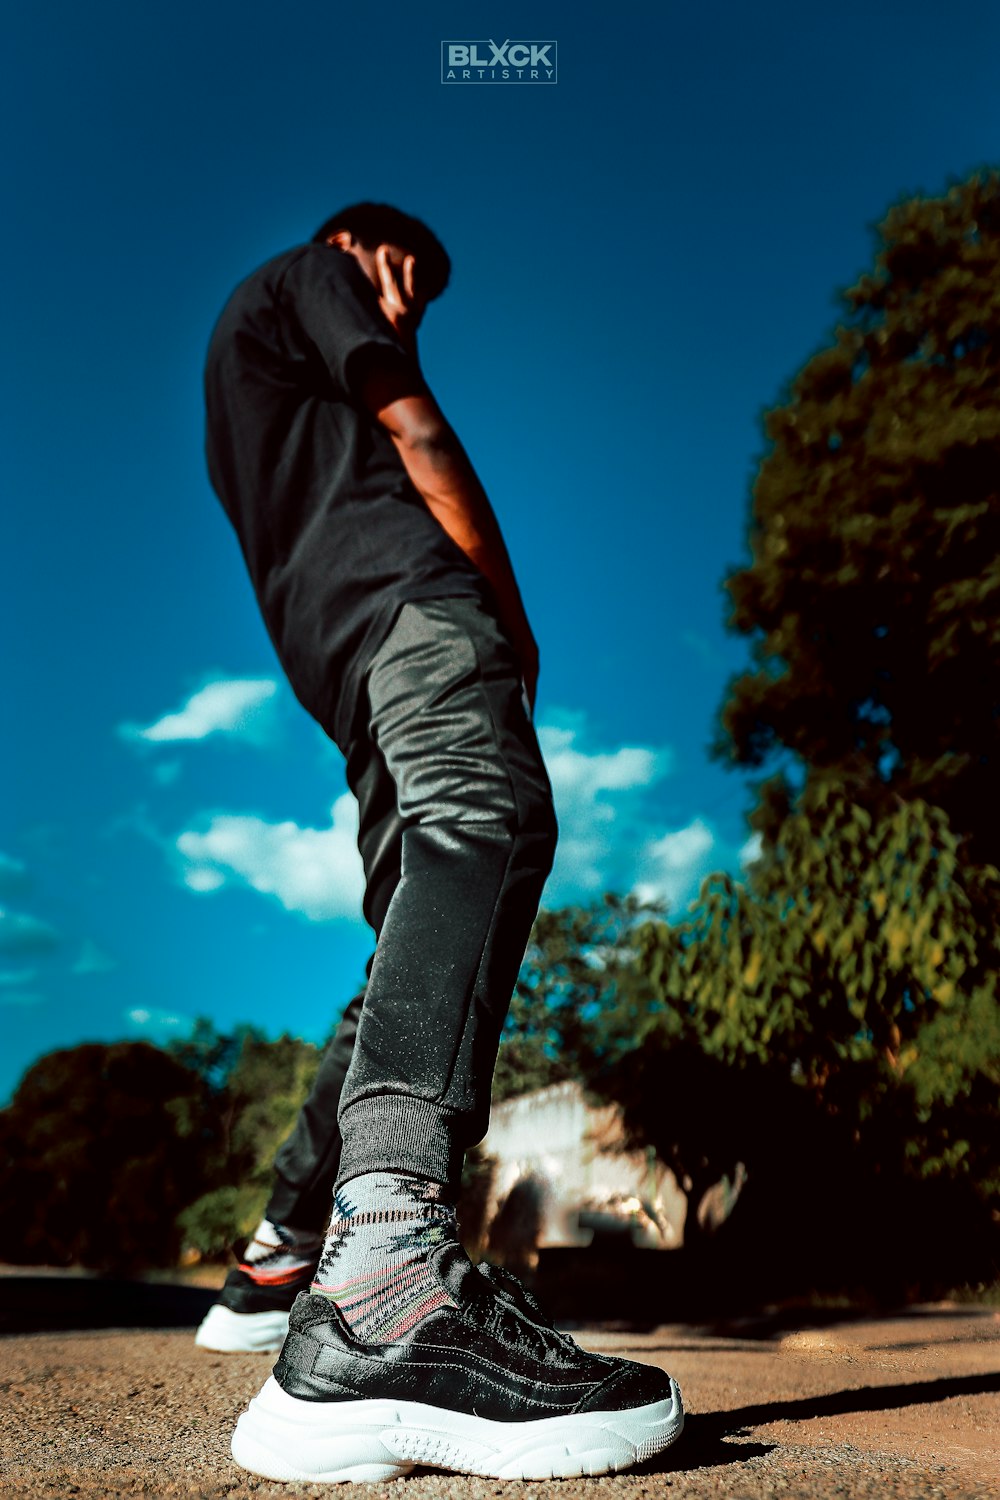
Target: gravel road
[(905, 1407)]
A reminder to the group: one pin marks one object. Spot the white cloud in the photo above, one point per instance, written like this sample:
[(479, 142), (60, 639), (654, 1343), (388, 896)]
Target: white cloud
[(20, 997), (91, 960), (751, 851), (20, 933), (583, 778), (239, 707), (611, 837), (157, 1025), (315, 871), (13, 987), (599, 798), (611, 834), (18, 976), (670, 866), (13, 873), (136, 819)]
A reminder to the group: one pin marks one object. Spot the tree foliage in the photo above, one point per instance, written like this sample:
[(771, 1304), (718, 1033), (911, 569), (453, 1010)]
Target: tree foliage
[(102, 1145), (258, 1096), (873, 596), (117, 1157), (861, 958), (831, 1023), (579, 1002)]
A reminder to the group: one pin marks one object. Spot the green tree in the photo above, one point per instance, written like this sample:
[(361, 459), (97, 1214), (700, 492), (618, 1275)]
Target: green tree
[(858, 949), (834, 1017), (101, 1146), (258, 1094), (579, 1003), (872, 599)]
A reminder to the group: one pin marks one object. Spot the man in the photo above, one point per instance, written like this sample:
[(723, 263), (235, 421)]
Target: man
[(387, 590)]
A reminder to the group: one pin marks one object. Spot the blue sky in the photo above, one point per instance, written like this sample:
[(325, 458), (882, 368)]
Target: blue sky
[(643, 254)]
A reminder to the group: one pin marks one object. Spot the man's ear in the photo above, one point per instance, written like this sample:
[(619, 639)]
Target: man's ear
[(341, 239), (410, 276)]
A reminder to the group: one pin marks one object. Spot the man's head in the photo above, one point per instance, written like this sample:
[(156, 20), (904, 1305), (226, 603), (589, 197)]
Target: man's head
[(363, 228)]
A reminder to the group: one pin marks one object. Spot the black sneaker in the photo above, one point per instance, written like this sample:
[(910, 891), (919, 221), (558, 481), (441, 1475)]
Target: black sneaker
[(484, 1385), (251, 1316)]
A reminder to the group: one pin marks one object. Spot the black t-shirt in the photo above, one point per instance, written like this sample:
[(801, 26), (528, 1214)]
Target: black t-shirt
[(335, 536)]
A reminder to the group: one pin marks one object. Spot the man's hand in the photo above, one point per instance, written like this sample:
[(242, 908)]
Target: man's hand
[(399, 300), (441, 473)]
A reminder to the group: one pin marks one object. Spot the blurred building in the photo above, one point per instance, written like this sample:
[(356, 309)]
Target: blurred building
[(561, 1177)]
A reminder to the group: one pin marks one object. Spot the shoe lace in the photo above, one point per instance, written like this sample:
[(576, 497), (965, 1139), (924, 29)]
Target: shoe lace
[(510, 1288)]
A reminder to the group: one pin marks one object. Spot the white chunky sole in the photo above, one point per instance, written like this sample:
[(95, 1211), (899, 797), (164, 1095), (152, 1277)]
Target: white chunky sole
[(228, 1332), (283, 1437)]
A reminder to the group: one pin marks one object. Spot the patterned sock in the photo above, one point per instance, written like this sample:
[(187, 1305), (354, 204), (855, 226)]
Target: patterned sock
[(277, 1253), (374, 1264)]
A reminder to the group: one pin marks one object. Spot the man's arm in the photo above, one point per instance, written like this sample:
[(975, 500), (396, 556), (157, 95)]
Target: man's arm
[(442, 473)]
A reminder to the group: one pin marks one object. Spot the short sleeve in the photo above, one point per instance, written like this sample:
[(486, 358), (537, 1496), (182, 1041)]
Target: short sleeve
[(326, 293)]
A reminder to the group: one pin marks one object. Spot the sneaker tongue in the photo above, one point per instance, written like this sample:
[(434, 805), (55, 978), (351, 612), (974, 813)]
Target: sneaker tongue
[(454, 1268)]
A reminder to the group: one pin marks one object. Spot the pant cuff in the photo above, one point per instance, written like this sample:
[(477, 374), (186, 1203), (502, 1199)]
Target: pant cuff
[(400, 1133)]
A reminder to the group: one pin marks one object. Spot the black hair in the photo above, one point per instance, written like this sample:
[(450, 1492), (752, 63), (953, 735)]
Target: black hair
[(374, 224)]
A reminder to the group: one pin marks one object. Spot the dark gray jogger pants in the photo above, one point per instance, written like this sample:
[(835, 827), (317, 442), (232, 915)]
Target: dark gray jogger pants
[(457, 835)]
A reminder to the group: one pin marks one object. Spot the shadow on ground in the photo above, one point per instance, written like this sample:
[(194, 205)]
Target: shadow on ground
[(711, 1438), (50, 1304)]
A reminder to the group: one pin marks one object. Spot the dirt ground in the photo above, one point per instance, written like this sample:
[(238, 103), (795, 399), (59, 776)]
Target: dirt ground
[(902, 1406)]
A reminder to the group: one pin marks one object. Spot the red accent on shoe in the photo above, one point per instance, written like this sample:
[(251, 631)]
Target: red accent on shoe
[(273, 1278)]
